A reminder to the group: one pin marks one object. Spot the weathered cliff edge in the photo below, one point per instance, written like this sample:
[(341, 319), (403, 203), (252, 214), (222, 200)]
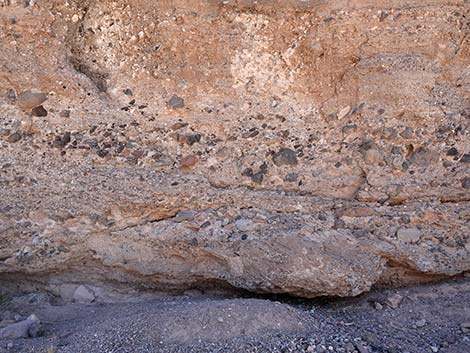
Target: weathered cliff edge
[(302, 147)]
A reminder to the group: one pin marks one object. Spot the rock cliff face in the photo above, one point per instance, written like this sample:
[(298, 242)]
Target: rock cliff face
[(303, 147)]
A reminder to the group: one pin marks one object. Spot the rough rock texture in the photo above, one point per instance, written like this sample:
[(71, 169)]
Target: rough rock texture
[(303, 147)]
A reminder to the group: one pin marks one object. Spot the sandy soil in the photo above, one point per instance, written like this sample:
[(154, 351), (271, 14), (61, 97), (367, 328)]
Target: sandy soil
[(430, 318)]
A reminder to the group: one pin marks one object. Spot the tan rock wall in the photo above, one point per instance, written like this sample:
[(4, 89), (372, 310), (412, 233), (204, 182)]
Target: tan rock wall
[(306, 147)]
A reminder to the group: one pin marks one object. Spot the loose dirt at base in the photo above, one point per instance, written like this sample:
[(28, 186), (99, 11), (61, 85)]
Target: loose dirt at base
[(426, 318)]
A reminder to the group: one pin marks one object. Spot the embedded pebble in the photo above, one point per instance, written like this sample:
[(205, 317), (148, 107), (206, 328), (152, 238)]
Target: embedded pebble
[(245, 225), (466, 183), (176, 102), (189, 161), (83, 295), (183, 216), (465, 158), (39, 111), (30, 99), (15, 137), (285, 157), (344, 112), (409, 235)]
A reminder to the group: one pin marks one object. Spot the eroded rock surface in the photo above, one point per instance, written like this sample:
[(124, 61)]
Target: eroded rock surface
[(303, 147)]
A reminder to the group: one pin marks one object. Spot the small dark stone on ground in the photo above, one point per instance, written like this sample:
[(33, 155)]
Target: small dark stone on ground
[(371, 338), (362, 349), (128, 92), (452, 152)]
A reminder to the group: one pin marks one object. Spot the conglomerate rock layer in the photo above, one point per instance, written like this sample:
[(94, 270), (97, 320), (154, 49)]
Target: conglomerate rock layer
[(303, 147)]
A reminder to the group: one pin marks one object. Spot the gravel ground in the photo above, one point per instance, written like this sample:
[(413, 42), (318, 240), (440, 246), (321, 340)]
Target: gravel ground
[(419, 319)]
